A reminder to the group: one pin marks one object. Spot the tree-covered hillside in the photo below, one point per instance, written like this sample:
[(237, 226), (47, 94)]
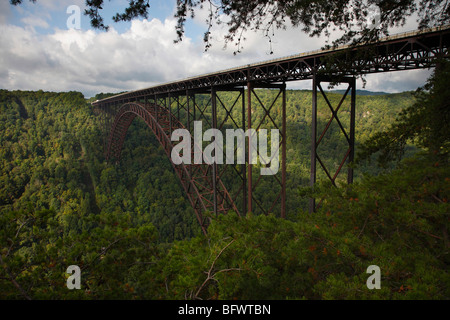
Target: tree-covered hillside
[(52, 158), (132, 232)]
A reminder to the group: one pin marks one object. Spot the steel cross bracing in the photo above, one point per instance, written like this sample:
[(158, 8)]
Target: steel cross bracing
[(178, 104), (204, 189), (348, 153), (406, 51)]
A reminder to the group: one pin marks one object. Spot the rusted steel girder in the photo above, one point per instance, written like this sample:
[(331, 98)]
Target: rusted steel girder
[(205, 191), (412, 50), (349, 136)]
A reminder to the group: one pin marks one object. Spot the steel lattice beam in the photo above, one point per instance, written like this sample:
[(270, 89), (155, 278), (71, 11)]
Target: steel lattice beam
[(414, 50), (175, 105), (204, 190), (317, 139)]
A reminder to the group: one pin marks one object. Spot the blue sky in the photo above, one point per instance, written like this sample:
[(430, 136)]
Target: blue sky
[(38, 51), (54, 13)]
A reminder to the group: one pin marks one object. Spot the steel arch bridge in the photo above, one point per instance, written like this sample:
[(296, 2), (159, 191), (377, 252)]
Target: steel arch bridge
[(196, 179), (175, 105)]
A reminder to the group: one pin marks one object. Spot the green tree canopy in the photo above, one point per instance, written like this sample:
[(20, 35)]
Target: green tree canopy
[(425, 123)]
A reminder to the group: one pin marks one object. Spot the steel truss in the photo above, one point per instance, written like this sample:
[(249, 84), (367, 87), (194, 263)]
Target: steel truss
[(178, 104), (413, 50), (349, 136), (274, 117), (204, 189)]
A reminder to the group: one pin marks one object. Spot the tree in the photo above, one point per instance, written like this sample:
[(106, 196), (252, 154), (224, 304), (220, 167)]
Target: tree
[(361, 21), (425, 123)]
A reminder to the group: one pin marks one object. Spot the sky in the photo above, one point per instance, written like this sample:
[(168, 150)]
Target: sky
[(40, 51)]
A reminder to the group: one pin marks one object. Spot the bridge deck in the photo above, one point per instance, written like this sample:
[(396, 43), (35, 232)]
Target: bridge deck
[(411, 50)]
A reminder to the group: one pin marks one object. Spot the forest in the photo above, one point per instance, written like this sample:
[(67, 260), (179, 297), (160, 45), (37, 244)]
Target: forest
[(131, 230)]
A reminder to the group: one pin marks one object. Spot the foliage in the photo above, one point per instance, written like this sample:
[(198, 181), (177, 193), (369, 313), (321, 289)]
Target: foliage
[(396, 221), (424, 123), (134, 236), (50, 158), (130, 229), (36, 252), (399, 224)]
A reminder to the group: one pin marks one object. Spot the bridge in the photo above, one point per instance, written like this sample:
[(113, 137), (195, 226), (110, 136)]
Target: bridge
[(178, 104)]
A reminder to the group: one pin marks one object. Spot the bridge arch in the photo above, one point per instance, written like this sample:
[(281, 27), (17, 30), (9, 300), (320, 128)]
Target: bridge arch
[(197, 180)]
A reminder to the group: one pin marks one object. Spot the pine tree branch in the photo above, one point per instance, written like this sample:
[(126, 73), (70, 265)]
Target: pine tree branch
[(13, 280), (211, 276)]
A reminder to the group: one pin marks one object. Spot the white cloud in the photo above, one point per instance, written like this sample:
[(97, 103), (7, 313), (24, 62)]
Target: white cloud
[(97, 61), (5, 12), (142, 56), (85, 60), (35, 22), (396, 81)]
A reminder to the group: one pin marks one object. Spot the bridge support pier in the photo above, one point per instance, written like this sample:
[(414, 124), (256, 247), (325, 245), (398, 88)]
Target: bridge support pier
[(272, 108), (349, 136)]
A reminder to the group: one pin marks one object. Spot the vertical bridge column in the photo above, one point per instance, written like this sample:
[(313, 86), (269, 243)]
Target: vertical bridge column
[(315, 141), (226, 116), (267, 192), (214, 165)]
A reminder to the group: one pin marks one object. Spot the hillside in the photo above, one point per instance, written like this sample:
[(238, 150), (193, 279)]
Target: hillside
[(131, 228), (51, 160)]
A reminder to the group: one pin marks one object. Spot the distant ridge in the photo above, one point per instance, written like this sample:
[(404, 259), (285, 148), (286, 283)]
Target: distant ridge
[(363, 92)]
